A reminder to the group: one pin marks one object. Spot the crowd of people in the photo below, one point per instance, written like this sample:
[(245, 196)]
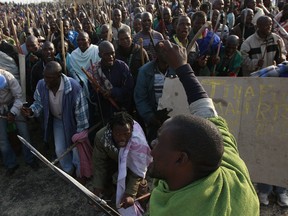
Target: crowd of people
[(104, 66)]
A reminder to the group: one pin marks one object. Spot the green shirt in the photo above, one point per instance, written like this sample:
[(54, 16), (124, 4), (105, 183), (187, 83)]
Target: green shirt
[(227, 191)]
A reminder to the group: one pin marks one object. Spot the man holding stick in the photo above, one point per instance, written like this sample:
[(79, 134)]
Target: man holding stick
[(132, 54), (115, 80), (65, 108), (261, 49)]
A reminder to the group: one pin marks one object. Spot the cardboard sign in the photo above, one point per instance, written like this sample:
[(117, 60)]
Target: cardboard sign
[(256, 110)]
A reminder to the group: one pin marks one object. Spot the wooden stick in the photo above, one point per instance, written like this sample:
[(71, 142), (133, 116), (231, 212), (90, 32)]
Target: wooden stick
[(280, 51), (141, 50), (190, 45), (244, 24), (143, 197), (5, 20), (277, 23), (98, 88), (219, 45), (16, 38), (95, 199), (73, 145), (28, 18), (63, 47)]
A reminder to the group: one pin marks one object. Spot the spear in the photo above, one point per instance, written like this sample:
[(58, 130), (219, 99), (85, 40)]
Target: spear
[(95, 199)]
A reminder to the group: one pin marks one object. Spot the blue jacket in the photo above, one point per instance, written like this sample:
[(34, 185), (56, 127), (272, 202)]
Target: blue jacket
[(144, 94), (74, 107)]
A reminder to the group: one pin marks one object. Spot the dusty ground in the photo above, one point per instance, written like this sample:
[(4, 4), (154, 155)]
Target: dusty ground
[(42, 192), (29, 193)]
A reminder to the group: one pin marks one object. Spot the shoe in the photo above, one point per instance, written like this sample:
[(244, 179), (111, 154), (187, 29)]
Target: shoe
[(263, 199), (34, 165), (11, 171), (282, 200)]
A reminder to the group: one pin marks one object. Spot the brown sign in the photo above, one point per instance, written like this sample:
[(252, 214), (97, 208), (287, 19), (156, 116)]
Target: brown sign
[(256, 110)]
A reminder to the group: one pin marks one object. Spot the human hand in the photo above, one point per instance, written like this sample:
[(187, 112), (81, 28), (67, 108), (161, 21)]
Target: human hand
[(202, 61), (26, 111), (215, 60), (174, 55), (33, 58), (10, 117), (155, 121), (162, 115), (97, 191), (126, 201)]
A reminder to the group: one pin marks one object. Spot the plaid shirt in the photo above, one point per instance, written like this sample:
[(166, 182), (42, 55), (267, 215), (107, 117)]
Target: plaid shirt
[(74, 106)]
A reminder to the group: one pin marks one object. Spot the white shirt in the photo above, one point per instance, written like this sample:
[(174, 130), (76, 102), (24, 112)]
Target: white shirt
[(55, 101)]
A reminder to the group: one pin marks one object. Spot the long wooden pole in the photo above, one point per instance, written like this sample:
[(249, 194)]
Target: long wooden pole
[(63, 47), (196, 36), (91, 196)]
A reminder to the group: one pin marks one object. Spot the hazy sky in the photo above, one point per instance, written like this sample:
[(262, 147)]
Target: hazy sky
[(25, 1)]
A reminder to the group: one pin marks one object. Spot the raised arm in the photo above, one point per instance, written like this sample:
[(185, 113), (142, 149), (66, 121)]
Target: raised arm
[(199, 102)]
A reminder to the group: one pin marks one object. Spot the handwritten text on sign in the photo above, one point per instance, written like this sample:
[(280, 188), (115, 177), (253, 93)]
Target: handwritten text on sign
[(256, 110)]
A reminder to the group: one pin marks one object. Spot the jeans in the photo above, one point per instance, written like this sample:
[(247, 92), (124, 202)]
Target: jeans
[(8, 154), (72, 158), (266, 188)]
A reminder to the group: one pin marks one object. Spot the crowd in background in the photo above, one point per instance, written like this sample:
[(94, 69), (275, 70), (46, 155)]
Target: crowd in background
[(111, 52)]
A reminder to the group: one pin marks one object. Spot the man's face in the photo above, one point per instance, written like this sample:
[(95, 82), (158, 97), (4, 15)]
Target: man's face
[(48, 52), (146, 23), (183, 27), (230, 49), (195, 3), (83, 42), (137, 25), (108, 56), (198, 23), (252, 4), (166, 16), (163, 153), (121, 134), (59, 47), (215, 15), (124, 40), (78, 27), (218, 5), (52, 80), (86, 26), (117, 16), (149, 8), (66, 27), (249, 17), (265, 28), (124, 14), (104, 33), (32, 46)]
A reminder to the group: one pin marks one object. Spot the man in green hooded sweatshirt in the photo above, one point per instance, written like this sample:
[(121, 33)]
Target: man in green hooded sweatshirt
[(196, 159)]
